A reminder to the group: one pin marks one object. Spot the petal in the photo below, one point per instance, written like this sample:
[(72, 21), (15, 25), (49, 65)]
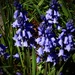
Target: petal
[(61, 52), (25, 44), (18, 31), (38, 40), (29, 34), (53, 39), (48, 16), (16, 55), (58, 27), (19, 37), (16, 13), (46, 49), (40, 51), (50, 21), (18, 43), (55, 13), (70, 38), (38, 59), (14, 24), (49, 59), (23, 33), (42, 42), (39, 33), (58, 14), (60, 42), (55, 20), (66, 40), (32, 46), (15, 37), (46, 42), (68, 47), (49, 11)]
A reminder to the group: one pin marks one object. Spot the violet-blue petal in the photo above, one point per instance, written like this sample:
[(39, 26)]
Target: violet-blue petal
[(16, 13), (24, 44), (38, 59), (46, 49), (16, 55), (68, 47), (61, 52), (18, 43), (40, 51), (65, 40), (42, 42), (49, 59)]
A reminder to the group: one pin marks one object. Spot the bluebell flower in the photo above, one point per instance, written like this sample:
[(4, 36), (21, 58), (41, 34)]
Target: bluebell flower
[(65, 40), (24, 33), (70, 26), (46, 35), (17, 4), (40, 51), (38, 40), (52, 13), (49, 59), (46, 49), (6, 55), (38, 59), (3, 51), (68, 47), (60, 42), (16, 56), (54, 4), (42, 42), (18, 43), (61, 53), (16, 14), (58, 27)]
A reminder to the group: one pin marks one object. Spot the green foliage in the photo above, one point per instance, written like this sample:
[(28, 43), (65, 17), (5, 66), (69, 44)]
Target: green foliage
[(27, 64)]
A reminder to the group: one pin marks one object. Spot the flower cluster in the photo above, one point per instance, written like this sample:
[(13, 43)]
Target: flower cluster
[(24, 34), (66, 41), (52, 45)]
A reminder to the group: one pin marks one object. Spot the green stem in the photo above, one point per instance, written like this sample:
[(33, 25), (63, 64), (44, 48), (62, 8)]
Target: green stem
[(20, 57)]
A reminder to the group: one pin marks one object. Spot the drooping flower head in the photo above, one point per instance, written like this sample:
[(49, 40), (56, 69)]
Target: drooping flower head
[(70, 26), (24, 34), (66, 40), (3, 51), (46, 35)]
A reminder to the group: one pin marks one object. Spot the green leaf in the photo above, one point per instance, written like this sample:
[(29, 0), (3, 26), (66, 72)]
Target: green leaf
[(33, 62), (45, 70), (64, 9), (52, 72), (40, 3), (6, 71), (73, 57)]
